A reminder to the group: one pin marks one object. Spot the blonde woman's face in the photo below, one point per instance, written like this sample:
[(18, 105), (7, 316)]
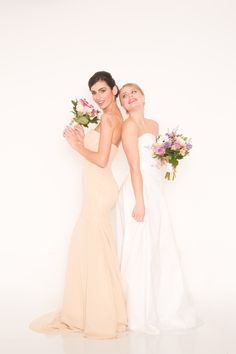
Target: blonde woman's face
[(131, 98)]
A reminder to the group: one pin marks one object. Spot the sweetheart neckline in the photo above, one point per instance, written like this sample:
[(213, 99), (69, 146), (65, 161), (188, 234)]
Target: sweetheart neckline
[(147, 133), (140, 136)]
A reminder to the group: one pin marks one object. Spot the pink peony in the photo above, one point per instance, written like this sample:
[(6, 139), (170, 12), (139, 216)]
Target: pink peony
[(176, 146), (160, 150)]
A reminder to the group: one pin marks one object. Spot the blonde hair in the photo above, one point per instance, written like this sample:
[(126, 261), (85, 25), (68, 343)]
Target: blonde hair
[(132, 85)]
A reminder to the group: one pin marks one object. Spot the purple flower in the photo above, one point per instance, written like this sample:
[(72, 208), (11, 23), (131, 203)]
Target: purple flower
[(189, 146), (167, 145)]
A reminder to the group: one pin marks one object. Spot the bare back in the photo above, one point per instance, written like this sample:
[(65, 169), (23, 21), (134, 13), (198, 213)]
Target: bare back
[(115, 123)]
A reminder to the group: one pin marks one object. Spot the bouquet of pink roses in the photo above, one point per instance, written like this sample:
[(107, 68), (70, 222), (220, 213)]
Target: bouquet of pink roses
[(170, 148), (84, 113)]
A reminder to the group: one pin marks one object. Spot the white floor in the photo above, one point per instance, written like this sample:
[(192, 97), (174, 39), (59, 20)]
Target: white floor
[(216, 336)]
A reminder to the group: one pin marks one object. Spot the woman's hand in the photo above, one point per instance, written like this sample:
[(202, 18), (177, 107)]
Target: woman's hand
[(138, 212), (79, 133), (72, 137)]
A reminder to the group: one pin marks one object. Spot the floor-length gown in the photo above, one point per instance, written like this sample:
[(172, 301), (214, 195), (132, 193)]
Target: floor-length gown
[(93, 302), (157, 298)]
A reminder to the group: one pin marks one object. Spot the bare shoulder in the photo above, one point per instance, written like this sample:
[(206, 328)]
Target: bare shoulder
[(129, 125), (106, 120), (153, 125)]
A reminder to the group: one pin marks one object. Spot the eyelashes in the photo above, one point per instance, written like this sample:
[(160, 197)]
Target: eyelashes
[(131, 92), (99, 91)]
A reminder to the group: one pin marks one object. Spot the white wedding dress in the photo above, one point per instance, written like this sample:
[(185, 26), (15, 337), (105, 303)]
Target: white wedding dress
[(157, 298)]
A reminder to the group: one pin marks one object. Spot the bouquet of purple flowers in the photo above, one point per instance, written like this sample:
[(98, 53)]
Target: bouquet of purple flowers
[(170, 148)]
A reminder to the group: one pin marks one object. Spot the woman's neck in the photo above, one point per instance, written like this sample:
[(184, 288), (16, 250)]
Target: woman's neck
[(112, 108), (138, 117)]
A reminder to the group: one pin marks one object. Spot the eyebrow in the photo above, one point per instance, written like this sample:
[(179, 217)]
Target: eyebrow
[(101, 88), (123, 92)]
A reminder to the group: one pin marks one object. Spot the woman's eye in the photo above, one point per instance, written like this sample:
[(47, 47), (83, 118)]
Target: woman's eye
[(134, 91)]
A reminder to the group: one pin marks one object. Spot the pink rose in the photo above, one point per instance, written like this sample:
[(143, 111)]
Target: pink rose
[(160, 150), (176, 146), (84, 102)]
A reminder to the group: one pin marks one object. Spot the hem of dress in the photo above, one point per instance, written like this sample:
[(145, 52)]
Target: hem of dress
[(81, 332)]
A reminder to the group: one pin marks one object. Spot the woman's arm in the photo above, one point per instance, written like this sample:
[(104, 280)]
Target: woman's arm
[(100, 157), (130, 145)]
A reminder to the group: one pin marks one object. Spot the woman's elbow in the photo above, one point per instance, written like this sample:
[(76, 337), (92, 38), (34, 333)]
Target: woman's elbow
[(102, 162)]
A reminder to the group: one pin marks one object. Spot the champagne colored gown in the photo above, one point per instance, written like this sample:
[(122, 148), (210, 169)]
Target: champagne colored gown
[(94, 302)]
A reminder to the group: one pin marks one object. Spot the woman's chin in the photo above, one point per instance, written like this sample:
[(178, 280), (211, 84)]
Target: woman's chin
[(104, 106), (133, 107)]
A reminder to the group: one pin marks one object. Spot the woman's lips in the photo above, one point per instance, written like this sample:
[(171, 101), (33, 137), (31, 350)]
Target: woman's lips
[(132, 100)]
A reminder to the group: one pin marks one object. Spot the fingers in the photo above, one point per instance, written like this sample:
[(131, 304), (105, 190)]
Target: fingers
[(72, 137), (138, 217), (79, 129), (75, 130), (68, 131)]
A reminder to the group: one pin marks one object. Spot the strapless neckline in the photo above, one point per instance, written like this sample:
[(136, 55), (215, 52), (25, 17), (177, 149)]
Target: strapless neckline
[(111, 143), (147, 134)]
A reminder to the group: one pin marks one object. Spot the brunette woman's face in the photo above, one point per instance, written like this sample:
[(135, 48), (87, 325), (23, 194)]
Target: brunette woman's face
[(131, 98), (102, 94)]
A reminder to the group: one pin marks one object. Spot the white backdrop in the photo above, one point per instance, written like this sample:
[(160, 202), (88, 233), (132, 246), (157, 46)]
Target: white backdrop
[(183, 54)]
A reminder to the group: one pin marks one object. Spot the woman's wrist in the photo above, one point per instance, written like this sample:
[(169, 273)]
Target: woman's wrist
[(78, 146), (139, 201)]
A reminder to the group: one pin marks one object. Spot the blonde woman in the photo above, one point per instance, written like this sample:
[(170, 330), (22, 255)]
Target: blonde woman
[(157, 298)]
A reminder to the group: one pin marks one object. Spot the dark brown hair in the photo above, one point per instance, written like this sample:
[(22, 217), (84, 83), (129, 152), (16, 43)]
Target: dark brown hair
[(103, 76)]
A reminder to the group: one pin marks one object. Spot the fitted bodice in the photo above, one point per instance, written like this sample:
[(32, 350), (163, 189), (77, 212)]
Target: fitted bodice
[(100, 189), (148, 164), (91, 141)]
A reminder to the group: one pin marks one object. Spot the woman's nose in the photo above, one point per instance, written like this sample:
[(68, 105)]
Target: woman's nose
[(97, 96)]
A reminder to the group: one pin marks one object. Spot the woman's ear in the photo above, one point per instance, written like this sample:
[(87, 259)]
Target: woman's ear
[(115, 90)]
